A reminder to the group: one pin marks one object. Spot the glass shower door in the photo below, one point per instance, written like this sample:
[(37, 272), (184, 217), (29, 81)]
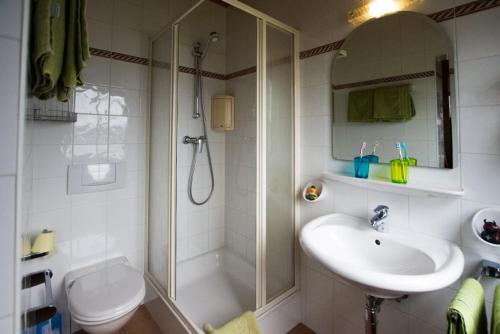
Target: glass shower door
[(280, 199), (159, 160)]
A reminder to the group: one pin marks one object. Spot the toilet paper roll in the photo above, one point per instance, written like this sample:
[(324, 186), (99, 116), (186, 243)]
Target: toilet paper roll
[(44, 242), (26, 245)]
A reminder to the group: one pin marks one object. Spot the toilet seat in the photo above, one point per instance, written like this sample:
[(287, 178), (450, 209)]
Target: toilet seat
[(105, 294)]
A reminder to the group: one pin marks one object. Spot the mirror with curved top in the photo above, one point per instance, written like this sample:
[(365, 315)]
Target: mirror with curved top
[(392, 81)]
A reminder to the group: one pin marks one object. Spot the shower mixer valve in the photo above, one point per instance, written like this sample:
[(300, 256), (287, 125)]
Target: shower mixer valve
[(195, 140)]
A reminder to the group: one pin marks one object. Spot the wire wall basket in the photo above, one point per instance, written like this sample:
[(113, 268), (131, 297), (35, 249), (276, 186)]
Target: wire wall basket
[(51, 110)]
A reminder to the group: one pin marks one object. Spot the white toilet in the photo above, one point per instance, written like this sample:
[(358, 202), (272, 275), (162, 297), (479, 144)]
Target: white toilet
[(103, 297)]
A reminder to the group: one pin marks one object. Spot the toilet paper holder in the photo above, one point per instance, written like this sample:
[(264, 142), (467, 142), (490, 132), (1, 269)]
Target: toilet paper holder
[(39, 314)]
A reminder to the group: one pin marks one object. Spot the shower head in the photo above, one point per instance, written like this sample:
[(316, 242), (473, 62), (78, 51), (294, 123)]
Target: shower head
[(213, 37)]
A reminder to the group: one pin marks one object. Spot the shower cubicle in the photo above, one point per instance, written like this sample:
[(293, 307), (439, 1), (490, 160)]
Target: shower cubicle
[(222, 202)]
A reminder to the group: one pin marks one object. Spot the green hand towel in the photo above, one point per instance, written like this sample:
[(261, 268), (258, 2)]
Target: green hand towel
[(76, 51), (468, 308), (360, 106), (495, 314), (245, 324), (393, 104), (47, 46)]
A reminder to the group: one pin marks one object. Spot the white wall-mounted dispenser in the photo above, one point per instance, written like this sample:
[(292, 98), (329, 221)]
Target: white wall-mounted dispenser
[(222, 113), (96, 177)]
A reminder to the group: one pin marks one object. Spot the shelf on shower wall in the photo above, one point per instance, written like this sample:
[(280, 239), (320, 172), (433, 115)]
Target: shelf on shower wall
[(387, 186)]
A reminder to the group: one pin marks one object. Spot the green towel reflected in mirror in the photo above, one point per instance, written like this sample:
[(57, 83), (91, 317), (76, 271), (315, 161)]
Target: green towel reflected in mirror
[(382, 104)]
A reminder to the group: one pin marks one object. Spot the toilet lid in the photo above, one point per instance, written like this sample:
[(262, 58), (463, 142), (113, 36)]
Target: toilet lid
[(106, 293)]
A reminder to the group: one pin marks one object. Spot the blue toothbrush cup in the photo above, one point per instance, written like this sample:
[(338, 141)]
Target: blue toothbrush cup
[(361, 167), (372, 158)]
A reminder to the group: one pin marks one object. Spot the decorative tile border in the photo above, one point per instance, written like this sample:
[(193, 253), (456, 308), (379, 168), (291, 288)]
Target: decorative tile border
[(321, 49), (207, 74), (118, 56), (465, 9), (444, 15), (418, 75)]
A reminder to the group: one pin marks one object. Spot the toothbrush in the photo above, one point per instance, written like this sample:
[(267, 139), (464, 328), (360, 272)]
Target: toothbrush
[(403, 146), (362, 149), (398, 147), (375, 147)]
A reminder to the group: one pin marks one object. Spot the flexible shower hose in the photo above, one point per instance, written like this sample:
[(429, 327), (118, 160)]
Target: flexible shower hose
[(197, 150)]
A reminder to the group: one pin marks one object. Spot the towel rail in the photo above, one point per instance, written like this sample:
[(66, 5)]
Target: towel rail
[(488, 269)]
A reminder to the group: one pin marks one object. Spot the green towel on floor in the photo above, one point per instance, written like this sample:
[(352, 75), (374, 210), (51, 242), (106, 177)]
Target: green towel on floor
[(360, 106), (393, 104), (244, 324), (495, 314), (468, 309), (48, 34)]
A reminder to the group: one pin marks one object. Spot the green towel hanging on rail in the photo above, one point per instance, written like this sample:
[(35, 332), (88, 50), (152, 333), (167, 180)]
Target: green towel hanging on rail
[(48, 35), (59, 47), (495, 314), (467, 311), (76, 50)]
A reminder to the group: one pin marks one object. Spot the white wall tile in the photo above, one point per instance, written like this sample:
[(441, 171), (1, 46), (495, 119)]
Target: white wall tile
[(99, 33), (348, 199), (479, 81), (49, 133), (49, 194), (7, 243), (437, 217), (418, 326), (432, 306), (11, 18), (316, 70), (479, 130), (393, 321), (349, 302), (97, 71), (128, 75), (475, 36), (101, 10), (7, 324), (51, 161), (9, 68), (127, 14), (479, 177), (130, 42)]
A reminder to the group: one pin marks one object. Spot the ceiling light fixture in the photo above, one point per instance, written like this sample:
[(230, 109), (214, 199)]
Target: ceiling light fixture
[(376, 8)]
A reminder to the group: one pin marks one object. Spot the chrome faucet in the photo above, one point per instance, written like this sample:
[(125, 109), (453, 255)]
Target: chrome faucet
[(378, 219)]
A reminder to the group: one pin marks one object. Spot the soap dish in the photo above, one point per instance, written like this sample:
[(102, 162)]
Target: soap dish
[(319, 186), (478, 221)]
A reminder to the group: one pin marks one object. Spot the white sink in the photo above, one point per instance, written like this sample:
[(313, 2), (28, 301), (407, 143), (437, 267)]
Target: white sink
[(385, 265)]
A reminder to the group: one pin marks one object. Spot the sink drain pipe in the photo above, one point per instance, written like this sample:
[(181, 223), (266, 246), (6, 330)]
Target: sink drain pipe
[(372, 308)]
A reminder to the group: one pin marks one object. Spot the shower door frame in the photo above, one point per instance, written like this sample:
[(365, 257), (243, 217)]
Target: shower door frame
[(262, 305)]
